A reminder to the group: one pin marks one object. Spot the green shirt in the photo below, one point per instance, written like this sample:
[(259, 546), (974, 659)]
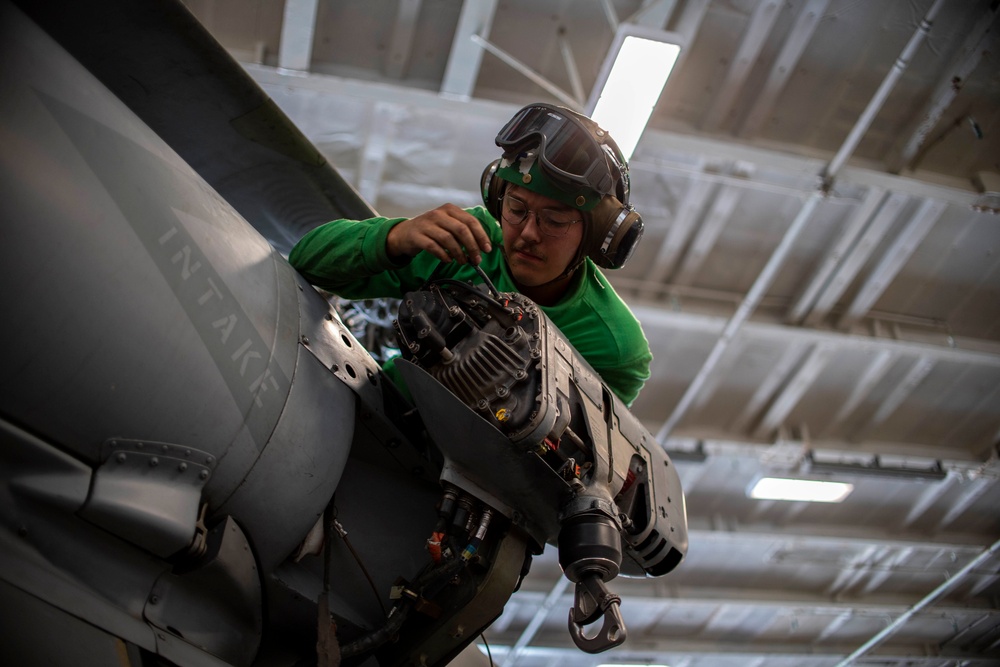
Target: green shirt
[(348, 258)]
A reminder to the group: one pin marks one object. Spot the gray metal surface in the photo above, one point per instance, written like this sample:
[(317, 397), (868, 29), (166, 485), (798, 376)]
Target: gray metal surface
[(179, 408)]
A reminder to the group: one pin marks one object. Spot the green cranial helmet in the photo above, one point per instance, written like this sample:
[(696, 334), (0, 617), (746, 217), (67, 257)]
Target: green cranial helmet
[(561, 154), (524, 169)]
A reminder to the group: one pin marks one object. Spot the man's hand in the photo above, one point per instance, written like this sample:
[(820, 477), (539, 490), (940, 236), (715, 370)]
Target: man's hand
[(448, 232)]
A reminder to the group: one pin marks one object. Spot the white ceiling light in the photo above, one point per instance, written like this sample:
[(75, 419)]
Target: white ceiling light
[(630, 82), (808, 490)]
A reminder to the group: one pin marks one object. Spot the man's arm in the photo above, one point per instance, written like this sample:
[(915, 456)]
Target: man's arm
[(372, 258)]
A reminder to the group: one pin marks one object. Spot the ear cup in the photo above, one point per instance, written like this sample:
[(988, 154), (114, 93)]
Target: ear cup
[(492, 187), (614, 230), (621, 240)]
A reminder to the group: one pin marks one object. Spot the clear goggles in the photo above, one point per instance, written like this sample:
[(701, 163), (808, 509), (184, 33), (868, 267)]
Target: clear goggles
[(570, 152)]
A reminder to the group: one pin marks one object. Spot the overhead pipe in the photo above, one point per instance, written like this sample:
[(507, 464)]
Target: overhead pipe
[(766, 277), (930, 599), (868, 115)]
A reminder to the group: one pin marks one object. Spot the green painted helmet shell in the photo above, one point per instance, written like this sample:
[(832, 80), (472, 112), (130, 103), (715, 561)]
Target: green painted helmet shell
[(524, 170)]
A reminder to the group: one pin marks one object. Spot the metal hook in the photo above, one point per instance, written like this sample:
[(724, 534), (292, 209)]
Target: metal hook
[(591, 601)]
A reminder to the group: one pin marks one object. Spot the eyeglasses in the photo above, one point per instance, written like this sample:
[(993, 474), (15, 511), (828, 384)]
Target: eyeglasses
[(515, 212)]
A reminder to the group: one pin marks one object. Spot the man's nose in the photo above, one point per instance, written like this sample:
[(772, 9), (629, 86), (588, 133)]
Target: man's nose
[(530, 230)]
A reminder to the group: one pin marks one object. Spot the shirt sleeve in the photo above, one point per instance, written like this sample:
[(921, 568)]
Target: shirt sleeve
[(349, 258)]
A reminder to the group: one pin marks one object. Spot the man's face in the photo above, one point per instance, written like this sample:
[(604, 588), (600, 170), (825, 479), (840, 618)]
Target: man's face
[(535, 258)]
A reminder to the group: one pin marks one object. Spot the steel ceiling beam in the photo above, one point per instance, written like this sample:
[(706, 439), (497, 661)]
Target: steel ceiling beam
[(298, 28), (777, 258), (708, 232), (791, 52), (678, 233), (528, 73), (659, 318), (793, 391), (754, 36), (820, 280), (930, 599), (855, 255), (895, 257), (465, 58), (401, 41)]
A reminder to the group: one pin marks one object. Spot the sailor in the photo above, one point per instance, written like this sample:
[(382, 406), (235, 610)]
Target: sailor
[(556, 211)]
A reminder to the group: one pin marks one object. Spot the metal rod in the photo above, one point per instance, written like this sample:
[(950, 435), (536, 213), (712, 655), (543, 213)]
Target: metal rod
[(930, 599), (563, 96), (868, 115), (571, 70)]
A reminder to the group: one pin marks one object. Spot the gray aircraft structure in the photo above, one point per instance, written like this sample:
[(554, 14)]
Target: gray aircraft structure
[(200, 464)]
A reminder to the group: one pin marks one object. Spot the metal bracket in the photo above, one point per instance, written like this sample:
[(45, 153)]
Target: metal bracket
[(149, 493)]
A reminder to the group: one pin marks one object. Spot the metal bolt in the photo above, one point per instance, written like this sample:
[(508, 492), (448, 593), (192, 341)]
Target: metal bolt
[(203, 474), (182, 467), (121, 457), (153, 462), (154, 599)]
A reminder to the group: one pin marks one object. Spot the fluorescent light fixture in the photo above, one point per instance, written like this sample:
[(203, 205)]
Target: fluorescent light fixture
[(808, 490), (631, 80)]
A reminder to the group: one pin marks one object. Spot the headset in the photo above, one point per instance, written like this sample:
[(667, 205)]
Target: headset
[(564, 155)]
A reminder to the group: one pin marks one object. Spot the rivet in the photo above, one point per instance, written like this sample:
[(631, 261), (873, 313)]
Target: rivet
[(203, 474), (581, 200), (121, 457), (182, 467), (526, 178), (210, 460), (153, 462)]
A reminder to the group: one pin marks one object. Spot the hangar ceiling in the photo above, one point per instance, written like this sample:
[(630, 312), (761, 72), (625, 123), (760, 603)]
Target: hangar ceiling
[(819, 282)]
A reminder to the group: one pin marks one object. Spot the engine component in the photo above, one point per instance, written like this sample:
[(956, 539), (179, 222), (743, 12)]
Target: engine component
[(544, 442)]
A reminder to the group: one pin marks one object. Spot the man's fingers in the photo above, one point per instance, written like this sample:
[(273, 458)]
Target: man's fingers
[(447, 232), (473, 236)]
